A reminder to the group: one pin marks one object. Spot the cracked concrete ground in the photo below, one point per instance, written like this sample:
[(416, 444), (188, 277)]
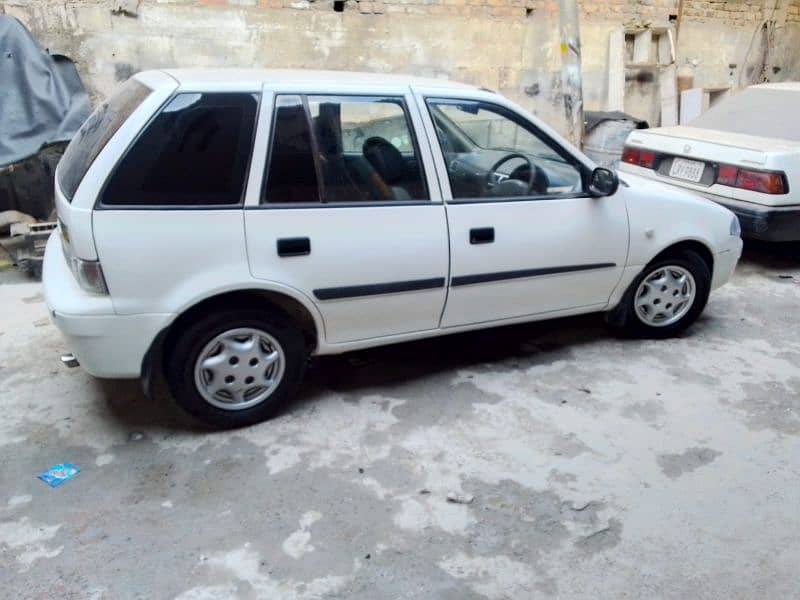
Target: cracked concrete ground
[(583, 466)]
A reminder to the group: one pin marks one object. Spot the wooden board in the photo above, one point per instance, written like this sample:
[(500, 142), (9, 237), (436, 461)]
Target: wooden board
[(666, 48), (616, 71), (668, 86), (642, 43)]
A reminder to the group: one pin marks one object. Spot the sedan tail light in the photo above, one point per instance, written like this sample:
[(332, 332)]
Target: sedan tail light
[(639, 157), (766, 182), (647, 159)]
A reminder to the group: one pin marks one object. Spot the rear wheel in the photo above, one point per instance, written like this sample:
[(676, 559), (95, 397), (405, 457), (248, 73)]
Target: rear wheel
[(666, 297), (236, 367)]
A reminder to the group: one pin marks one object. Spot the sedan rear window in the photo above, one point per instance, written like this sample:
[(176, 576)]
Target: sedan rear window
[(755, 111), (95, 133)]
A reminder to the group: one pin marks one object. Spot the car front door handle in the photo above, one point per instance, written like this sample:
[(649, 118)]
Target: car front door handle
[(481, 235), (299, 246)]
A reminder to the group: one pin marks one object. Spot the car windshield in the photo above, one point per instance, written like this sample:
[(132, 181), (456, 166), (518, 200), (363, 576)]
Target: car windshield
[(755, 111)]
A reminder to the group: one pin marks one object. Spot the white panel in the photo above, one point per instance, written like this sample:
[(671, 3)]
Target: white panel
[(158, 261), (668, 85), (616, 71), (666, 48), (692, 102), (642, 43)]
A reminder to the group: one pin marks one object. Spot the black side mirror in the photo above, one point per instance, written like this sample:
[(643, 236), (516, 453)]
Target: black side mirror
[(603, 182)]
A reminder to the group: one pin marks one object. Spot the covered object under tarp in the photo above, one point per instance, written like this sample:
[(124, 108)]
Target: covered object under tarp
[(42, 105), (42, 99)]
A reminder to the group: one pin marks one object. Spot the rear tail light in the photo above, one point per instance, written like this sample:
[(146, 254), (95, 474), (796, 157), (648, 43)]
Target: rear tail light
[(631, 155), (90, 276), (88, 273), (647, 158), (639, 157), (727, 175), (748, 179)]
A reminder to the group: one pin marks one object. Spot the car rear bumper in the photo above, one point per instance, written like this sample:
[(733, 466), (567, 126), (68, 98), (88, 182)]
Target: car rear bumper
[(768, 223), (106, 344)]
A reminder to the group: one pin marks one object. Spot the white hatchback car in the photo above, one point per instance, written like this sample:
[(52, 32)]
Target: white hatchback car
[(224, 225)]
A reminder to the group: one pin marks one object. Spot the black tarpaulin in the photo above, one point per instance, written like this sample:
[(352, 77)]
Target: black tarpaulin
[(42, 99)]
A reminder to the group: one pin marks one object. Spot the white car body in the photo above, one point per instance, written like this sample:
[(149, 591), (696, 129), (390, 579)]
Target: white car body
[(160, 263), (751, 132)]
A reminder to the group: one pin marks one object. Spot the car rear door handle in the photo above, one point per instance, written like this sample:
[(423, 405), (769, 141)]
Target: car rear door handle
[(299, 246), (481, 235)]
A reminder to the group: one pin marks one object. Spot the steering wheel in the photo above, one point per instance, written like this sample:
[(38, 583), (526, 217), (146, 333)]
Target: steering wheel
[(531, 170)]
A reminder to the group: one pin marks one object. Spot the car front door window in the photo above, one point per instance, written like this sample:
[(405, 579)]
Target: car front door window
[(492, 153)]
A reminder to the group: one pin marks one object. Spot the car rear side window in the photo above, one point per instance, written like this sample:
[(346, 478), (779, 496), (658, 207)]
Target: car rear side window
[(194, 153), (343, 149), (95, 133)]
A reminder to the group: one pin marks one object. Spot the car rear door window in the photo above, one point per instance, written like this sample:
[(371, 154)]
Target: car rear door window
[(343, 149), (194, 153), (95, 133)]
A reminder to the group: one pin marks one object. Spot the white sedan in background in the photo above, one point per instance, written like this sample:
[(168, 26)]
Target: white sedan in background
[(744, 153)]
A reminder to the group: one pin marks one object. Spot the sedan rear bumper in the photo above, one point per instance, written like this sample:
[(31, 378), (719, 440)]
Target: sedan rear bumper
[(768, 223)]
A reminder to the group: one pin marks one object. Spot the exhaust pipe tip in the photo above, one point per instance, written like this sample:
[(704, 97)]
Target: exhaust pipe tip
[(69, 361)]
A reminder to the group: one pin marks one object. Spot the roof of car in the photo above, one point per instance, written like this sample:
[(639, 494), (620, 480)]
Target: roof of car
[(258, 76), (791, 86)]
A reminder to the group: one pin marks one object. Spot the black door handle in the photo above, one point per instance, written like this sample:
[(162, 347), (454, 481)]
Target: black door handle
[(299, 246), (481, 235)]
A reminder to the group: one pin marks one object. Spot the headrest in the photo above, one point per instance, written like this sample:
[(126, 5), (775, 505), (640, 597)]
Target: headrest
[(384, 158)]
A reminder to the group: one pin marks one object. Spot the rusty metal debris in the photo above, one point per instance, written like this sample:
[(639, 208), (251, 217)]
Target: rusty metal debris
[(26, 240)]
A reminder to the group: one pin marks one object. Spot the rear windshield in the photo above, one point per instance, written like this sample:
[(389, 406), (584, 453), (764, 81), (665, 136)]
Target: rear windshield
[(95, 133), (755, 111)]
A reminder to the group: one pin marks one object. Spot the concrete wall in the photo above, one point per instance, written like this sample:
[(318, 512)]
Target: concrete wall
[(507, 45)]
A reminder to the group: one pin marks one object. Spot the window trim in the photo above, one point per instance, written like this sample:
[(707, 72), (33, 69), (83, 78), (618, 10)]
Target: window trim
[(315, 151), (520, 121), (266, 205), (99, 205)]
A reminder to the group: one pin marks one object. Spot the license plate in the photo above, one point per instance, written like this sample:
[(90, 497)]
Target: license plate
[(690, 170)]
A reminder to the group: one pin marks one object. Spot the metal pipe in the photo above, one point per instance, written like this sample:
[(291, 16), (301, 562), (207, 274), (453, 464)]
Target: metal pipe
[(571, 76), (69, 361)]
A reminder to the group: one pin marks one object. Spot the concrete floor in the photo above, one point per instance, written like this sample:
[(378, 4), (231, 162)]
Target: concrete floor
[(599, 467)]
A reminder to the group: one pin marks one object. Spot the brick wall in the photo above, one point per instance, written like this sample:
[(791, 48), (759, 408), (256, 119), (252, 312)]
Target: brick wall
[(733, 12), (738, 13), (507, 45), (793, 12)]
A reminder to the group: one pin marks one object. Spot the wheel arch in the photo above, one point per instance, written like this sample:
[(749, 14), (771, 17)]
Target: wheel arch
[(298, 311), (699, 247), (632, 271)]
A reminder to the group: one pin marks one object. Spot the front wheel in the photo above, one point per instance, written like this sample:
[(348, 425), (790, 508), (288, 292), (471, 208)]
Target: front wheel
[(666, 297), (235, 368)]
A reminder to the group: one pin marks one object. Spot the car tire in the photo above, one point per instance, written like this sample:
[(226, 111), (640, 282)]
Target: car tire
[(255, 361), (651, 306)]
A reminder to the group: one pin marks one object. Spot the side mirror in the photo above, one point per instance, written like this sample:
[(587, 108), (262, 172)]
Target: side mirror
[(603, 182)]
